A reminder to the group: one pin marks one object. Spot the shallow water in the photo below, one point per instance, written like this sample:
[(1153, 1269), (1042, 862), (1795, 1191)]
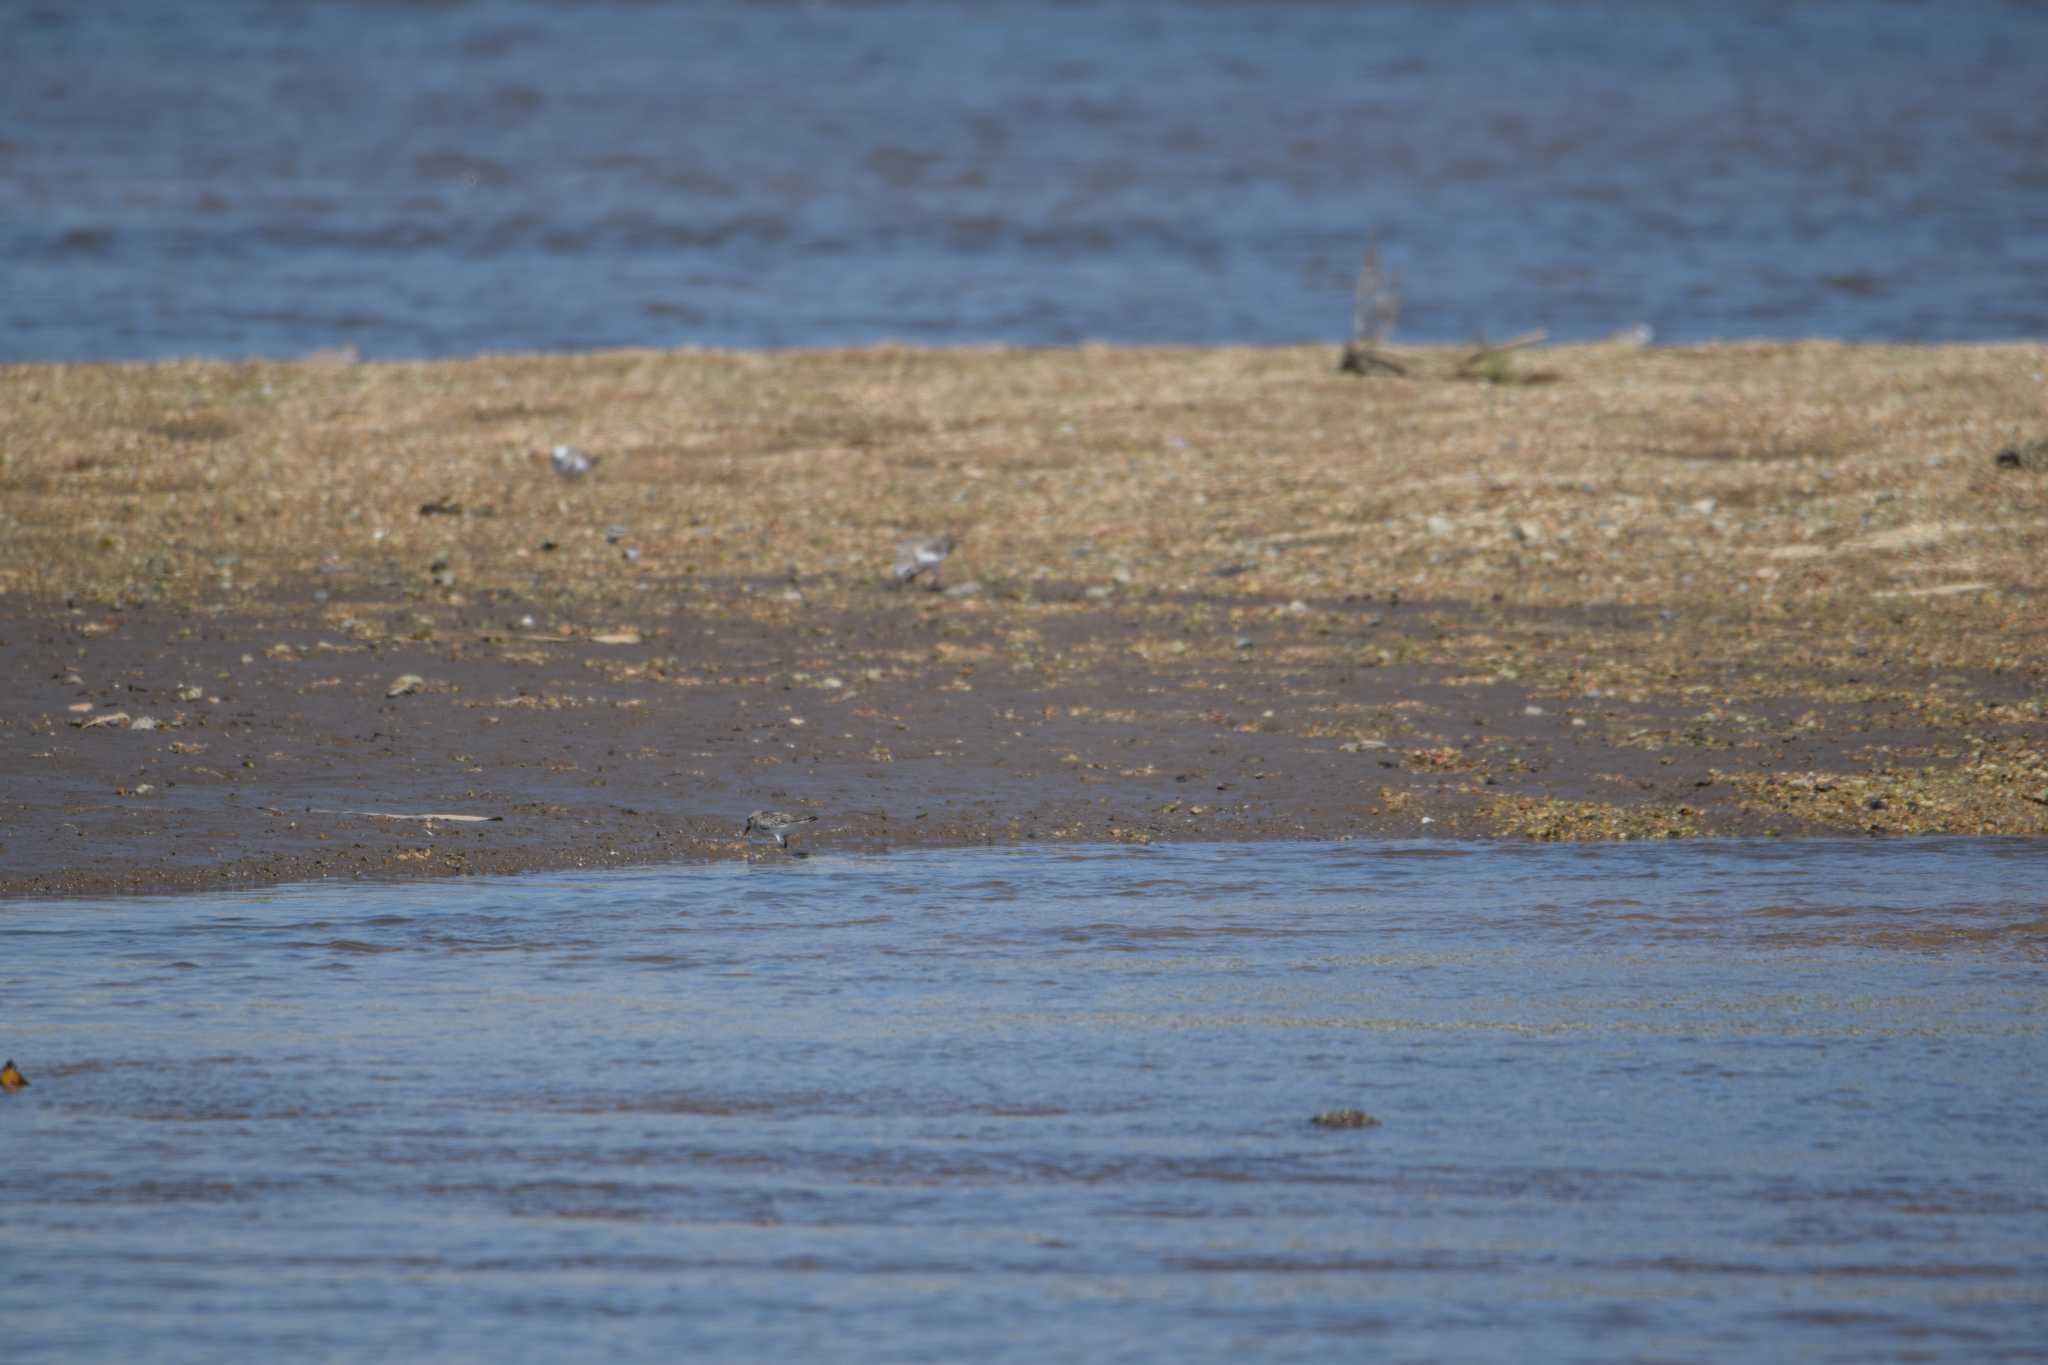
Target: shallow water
[(1780, 1101), (241, 177)]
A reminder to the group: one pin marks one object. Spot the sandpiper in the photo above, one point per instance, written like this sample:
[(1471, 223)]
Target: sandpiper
[(781, 824), (571, 463), (914, 557), (11, 1077)]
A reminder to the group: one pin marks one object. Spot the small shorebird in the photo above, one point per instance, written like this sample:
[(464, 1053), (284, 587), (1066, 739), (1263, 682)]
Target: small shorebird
[(571, 463), (914, 557), (775, 822), (11, 1077)]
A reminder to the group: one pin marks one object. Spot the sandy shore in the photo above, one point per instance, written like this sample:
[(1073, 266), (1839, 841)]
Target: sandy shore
[(1200, 594)]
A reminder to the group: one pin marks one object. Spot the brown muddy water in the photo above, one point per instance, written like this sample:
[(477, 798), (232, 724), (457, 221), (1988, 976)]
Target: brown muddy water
[(1690, 1102)]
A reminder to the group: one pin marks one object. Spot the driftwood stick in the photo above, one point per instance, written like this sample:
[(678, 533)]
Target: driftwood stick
[(1375, 308), (1519, 341), (1363, 359)]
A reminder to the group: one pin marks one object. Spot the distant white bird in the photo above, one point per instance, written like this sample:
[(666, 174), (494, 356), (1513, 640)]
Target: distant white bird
[(775, 822), (571, 463), (914, 557)]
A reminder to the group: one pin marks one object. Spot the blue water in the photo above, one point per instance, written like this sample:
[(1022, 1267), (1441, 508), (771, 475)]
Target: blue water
[(241, 177), (1696, 1102)]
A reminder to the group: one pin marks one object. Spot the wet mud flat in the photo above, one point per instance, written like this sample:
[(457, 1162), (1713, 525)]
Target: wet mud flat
[(1588, 592)]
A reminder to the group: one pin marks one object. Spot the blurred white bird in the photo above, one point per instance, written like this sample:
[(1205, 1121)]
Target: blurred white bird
[(777, 823), (914, 557), (571, 463)]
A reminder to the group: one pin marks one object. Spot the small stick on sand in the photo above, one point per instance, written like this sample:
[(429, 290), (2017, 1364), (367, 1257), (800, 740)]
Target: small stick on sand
[(1485, 352), (396, 815), (1375, 308)]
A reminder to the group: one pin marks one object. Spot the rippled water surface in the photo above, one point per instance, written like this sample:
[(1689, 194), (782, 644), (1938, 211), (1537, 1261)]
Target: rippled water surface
[(1688, 1102), (243, 177)]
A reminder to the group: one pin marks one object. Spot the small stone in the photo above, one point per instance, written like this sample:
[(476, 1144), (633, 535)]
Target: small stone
[(404, 684), (1243, 642)]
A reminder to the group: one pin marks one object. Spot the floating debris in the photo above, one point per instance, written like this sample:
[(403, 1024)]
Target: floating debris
[(11, 1077), (1345, 1118)]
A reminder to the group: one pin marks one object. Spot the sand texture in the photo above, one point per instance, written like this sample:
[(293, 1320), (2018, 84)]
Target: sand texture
[(1580, 592)]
